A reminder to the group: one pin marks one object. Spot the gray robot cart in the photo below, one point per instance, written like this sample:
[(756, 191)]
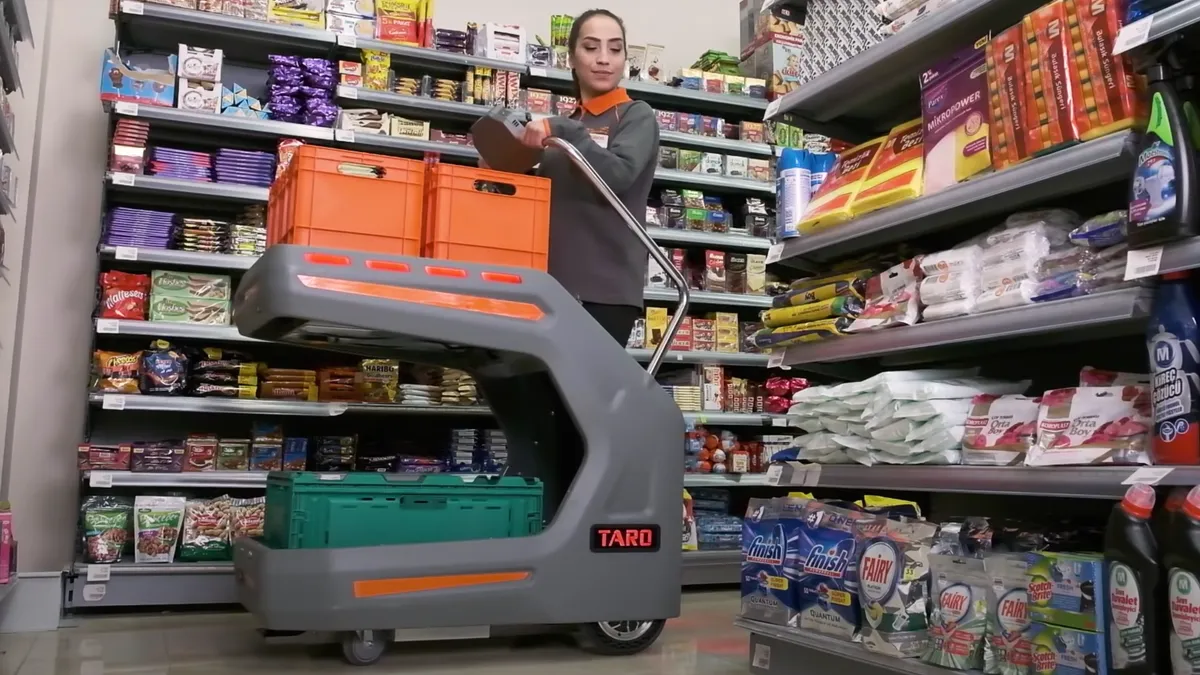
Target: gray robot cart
[(579, 414)]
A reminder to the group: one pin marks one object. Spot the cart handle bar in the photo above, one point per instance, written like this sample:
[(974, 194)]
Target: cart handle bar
[(655, 252)]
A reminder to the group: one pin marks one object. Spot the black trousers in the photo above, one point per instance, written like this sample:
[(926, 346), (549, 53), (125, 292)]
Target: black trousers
[(618, 320)]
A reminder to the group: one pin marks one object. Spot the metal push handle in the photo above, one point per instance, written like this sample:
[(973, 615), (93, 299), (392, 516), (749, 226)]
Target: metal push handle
[(636, 227)]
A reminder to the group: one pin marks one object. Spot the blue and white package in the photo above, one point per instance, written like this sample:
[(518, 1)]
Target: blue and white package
[(766, 587), (793, 189), (820, 164), (822, 557)]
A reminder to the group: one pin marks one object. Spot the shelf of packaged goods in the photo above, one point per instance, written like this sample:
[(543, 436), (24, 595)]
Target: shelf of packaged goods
[(154, 25), (1161, 24), (151, 584), (422, 107), (722, 183), (719, 240), (711, 568), (225, 124), (191, 331), (417, 56), (724, 479), (190, 404), (10, 69), (710, 298), (193, 188), (726, 145), (660, 95), (158, 256), (231, 480), (1180, 256), (1085, 482), (776, 649), (382, 143), (1069, 171), (871, 92), (1126, 308)]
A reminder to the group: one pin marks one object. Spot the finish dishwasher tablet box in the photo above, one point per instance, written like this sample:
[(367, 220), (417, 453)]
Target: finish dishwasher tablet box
[(897, 173), (832, 201), (954, 108)]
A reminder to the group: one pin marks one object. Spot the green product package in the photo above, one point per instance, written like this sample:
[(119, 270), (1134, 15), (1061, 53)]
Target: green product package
[(105, 530), (182, 310), (958, 621), (1006, 651), (156, 523), (893, 583), (189, 285)]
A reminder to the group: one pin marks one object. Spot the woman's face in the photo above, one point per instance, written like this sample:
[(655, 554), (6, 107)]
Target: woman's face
[(599, 57)]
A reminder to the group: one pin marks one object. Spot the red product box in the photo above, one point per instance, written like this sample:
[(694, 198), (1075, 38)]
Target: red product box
[(396, 29), (1112, 91), (683, 337), (1054, 101)]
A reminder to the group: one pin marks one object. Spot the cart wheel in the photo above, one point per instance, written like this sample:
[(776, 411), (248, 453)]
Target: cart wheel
[(617, 638), (364, 647)]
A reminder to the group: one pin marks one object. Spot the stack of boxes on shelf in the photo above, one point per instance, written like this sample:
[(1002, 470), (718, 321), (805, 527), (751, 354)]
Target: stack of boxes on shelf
[(190, 297), (199, 85), (771, 44)]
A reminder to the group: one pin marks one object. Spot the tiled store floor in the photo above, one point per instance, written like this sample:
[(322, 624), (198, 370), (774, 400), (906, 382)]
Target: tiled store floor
[(702, 641)]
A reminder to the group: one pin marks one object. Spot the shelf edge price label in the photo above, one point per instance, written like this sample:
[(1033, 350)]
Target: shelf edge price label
[(346, 91), (1132, 35), (121, 178), (126, 108), (348, 41), (108, 326), (100, 573), (779, 422), (1142, 263), (812, 476), (1150, 475), (337, 409), (772, 108), (104, 480), (113, 402), (775, 253), (537, 72), (133, 7), (126, 253), (344, 135), (774, 474)]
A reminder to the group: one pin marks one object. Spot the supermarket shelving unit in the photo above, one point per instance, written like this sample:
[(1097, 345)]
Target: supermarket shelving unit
[(149, 25), (843, 98)]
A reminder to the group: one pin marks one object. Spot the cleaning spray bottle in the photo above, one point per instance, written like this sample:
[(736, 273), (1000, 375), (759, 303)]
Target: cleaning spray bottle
[(1132, 575), (1162, 199), (1182, 562), (793, 188), (1173, 343)]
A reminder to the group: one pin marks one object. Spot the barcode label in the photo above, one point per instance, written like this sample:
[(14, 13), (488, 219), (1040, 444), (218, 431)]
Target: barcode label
[(126, 108), (1143, 263)]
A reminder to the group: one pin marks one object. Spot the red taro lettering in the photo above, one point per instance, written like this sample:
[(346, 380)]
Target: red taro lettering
[(630, 537)]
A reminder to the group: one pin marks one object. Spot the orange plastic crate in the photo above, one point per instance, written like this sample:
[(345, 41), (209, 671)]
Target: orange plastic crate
[(348, 200), (485, 216)]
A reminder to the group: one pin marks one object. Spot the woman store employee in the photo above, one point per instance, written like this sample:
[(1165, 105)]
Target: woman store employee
[(592, 252)]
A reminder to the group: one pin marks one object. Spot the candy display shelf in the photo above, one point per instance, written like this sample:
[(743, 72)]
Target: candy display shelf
[(1070, 171), (870, 93), (711, 298), (225, 191), (191, 331), (775, 649), (722, 183), (187, 120), (161, 256), (1117, 311), (660, 95), (714, 239)]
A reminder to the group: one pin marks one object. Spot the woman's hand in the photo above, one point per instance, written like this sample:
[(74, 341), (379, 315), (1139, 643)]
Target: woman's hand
[(536, 133)]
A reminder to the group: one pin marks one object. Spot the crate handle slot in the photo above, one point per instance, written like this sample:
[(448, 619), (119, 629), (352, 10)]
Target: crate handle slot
[(361, 170), (495, 187)]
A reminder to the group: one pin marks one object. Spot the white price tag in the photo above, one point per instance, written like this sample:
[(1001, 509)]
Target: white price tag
[(774, 474), (126, 108), (811, 477), (331, 476), (113, 402), (762, 657), (99, 572), (122, 179), (537, 72), (775, 360), (1143, 263), (348, 41), (772, 108), (108, 326), (679, 356), (346, 91), (775, 253), (133, 7), (337, 409), (95, 592), (1133, 35), (779, 422), (102, 480), (1150, 475), (126, 253), (344, 135)]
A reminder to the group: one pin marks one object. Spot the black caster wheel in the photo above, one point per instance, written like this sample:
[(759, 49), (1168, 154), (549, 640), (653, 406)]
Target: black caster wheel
[(364, 647), (618, 638)]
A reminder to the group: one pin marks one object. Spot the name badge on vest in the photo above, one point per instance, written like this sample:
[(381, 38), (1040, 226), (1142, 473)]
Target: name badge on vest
[(600, 139)]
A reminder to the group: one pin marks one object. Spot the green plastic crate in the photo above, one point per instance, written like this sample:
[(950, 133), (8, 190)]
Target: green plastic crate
[(342, 510)]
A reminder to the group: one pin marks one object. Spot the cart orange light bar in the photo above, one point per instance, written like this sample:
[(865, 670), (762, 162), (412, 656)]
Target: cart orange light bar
[(454, 272), (388, 266), (511, 309), (375, 588), (327, 259), (501, 277)]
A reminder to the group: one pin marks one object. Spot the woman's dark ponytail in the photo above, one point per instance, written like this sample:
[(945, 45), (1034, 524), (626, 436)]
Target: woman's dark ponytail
[(573, 41)]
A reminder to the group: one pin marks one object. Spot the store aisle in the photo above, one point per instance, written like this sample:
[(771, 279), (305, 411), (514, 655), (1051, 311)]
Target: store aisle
[(702, 641)]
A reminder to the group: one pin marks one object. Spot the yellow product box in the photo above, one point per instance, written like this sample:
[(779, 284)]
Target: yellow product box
[(898, 172), (277, 12), (656, 325), (406, 128), (831, 205)]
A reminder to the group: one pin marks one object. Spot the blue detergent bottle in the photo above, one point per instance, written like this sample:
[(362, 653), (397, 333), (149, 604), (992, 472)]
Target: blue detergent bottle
[(1173, 342), (1162, 198)]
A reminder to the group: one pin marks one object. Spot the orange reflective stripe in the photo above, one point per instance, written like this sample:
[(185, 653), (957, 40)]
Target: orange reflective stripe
[(374, 588), (511, 309)]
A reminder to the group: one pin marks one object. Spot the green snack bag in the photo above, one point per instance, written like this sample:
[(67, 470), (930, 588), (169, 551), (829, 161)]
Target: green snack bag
[(959, 619)]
